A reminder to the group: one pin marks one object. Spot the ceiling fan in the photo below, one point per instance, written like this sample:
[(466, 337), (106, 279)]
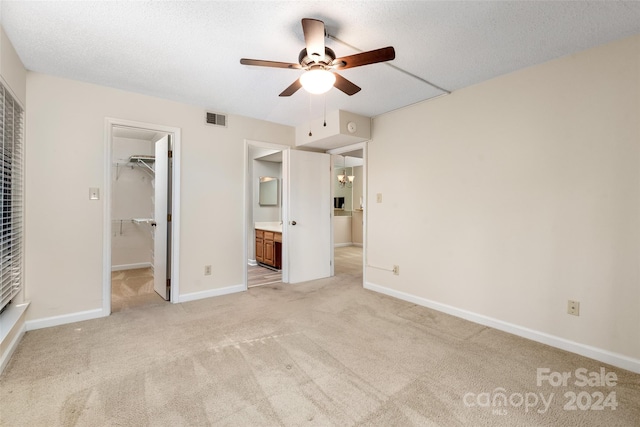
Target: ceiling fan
[(319, 62)]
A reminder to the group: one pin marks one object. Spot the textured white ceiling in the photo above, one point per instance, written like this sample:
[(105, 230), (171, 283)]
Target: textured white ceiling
[(190, 51)]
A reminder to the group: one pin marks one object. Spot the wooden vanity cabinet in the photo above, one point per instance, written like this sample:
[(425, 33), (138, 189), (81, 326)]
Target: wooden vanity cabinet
[(260, 246), (269, 248)]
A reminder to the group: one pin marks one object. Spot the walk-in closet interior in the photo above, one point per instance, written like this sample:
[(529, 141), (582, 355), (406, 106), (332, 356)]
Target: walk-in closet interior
[(133, 178)]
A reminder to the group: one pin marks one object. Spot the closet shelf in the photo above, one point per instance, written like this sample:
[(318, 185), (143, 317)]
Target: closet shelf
[(137, 221), (142, 220), (144, 160)]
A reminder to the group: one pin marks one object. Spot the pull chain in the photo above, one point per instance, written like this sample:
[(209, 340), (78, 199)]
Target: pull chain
[(325, 110), (310, 134)]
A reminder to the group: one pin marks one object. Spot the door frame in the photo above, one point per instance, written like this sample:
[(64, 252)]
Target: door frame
[(248, 203), (110, 123), (339, 151)]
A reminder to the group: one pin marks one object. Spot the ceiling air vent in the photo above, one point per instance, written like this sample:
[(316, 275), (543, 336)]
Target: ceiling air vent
[(216, 119)]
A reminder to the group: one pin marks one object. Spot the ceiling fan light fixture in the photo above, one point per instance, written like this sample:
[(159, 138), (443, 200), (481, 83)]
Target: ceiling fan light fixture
[(317, 81)]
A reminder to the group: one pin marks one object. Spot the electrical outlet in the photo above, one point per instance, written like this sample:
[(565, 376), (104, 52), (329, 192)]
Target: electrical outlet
[(379, 198), (573, 307), (207, 270), (396, 270)]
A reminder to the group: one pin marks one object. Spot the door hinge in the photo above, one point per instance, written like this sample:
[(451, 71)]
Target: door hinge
[(170, 153), (168, 217)]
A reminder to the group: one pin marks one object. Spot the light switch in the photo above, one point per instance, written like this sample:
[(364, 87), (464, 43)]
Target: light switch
[(94, 193)]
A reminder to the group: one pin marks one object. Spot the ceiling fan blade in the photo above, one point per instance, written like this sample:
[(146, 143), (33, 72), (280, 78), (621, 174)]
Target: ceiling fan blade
[(345, 85), (293, 88), (274, 64), (365, 58), (314, 38)]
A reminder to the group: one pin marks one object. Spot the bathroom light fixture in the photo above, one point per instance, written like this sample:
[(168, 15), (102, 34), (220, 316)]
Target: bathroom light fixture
[(345, 180), (317, 80)]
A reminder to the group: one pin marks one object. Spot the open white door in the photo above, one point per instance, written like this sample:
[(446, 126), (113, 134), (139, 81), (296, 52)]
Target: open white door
[(309, 216), (161, 211)]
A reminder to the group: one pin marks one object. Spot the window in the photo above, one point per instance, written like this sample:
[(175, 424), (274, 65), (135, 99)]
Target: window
[(11, 180)]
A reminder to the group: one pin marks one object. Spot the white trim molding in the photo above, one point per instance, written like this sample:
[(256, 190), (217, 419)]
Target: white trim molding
[(64, 319), (123, 267), (342, 245), (605, 356), (109, 123), (194, 296), (247, 210)]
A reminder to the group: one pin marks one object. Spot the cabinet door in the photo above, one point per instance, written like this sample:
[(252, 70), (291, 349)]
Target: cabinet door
[(259, 249), (268, 252)]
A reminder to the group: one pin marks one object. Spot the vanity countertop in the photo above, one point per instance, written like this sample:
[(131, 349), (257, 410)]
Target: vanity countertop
[(275, 227)]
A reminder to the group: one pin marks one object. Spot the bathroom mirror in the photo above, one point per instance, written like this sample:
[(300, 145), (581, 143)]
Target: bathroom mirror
[(342, 193), (268, 191)]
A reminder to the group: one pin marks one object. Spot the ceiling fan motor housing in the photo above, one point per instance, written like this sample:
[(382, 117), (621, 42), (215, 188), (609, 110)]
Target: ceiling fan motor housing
[(307, 61)]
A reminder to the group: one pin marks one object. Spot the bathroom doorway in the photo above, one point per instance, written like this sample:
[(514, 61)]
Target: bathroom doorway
[(348, 180), (264, 215), (265, 254), (140, 209), (303, 214)]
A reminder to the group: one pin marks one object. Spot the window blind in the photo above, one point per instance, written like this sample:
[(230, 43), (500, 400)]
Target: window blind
[(11, 197)]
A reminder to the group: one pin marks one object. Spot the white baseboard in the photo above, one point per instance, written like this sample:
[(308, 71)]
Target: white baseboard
[(122, 267), (64, 319), (357, 244), (599, 354), (12, 321), (342, 245), (252, 262), (211, 293)]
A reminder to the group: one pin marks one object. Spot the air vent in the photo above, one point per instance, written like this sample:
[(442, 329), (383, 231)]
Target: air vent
[(216, 119)]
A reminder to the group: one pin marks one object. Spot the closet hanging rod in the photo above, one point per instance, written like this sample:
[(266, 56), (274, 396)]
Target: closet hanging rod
[(142, 160), (134, 221)]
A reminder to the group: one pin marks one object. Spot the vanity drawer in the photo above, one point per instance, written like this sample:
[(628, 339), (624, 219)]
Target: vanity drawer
[(277, 237), (260, 234), (268, 235)]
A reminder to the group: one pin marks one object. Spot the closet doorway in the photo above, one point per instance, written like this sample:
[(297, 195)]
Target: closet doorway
[(140, 206)]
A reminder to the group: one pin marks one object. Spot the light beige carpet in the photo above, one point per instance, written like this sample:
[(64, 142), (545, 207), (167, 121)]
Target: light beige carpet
[(325, 353), (131, 289)]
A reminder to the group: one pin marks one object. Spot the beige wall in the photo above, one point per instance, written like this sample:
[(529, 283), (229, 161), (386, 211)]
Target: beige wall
[(65, 156), (517, 195), (342, 230), (357, 228), (11, 68), (356, 219)]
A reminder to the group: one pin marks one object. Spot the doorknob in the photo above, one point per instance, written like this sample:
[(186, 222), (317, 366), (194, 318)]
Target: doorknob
[(292, 222)]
